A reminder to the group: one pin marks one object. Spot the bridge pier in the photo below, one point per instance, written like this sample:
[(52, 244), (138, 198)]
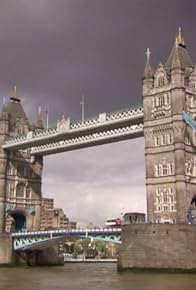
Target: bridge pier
[(49, 255), (165, 247), (5, 249)]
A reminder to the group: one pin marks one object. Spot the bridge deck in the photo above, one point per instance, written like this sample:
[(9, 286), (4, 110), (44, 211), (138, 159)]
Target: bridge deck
[(105, 128)]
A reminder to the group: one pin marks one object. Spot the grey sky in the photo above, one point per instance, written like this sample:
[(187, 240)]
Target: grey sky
[(55, 51)]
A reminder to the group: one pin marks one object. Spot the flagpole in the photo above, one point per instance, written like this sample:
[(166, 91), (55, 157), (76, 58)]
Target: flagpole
[(47, 113)]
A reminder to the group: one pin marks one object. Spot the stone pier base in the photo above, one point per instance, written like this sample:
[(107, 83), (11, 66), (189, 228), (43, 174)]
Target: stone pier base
[(43, 254), (158, 246), (46, 257), (5, 249)]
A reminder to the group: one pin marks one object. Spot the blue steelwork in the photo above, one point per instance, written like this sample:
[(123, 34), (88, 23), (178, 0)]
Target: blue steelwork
[(23, 241), (189, 121)]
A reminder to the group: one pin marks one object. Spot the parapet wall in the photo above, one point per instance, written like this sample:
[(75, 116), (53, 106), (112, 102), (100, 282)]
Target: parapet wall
[(158, 246)]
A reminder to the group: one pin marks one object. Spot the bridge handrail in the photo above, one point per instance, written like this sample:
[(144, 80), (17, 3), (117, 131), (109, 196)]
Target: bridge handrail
[(39, 233), (132, 111)]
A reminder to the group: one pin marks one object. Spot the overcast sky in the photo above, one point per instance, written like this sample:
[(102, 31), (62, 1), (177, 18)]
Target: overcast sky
[(55, 51)]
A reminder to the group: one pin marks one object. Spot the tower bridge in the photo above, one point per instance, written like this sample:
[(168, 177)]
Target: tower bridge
[(166, 120), (102, 129)]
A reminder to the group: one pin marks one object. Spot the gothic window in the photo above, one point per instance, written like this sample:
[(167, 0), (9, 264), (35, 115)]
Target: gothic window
[(20, 130), (157, 102), (188, 167), (161, 100), (160, 170), (165, 197), (170, 169), (166, 100), (20, 190), (157, 140), (164, 139), (164, 169), (164, 200), (11, 188), (10, 169), (28, 192), (169, 138), (161, 81)]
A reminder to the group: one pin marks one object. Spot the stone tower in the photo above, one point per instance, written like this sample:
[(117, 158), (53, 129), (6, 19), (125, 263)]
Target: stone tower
[(169, 144), (20, 174)]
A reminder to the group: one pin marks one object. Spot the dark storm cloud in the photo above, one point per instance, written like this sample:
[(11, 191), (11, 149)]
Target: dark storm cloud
[(55, 51)]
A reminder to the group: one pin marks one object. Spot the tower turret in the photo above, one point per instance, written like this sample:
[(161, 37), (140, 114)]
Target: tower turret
[(148, 74)]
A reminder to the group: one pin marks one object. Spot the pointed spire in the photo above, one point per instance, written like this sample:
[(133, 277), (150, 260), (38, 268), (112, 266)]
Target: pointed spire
[(148, 71), (14, 95), (179, 38), (179, 56)]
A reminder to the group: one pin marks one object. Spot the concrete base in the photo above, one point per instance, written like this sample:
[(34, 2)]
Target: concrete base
[(158, 246), (5, 249)]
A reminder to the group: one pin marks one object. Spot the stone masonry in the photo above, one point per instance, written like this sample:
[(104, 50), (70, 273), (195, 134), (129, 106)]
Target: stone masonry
[(169, 143), (158, 246)]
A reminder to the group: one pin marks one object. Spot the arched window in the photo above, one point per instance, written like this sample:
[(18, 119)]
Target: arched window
[(20, 190), (28, 192), (161, 81), (193, 201), (11, 189)]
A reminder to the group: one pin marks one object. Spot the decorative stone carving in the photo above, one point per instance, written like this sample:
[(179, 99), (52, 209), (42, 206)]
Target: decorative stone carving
[(63, 124), (160, 77)]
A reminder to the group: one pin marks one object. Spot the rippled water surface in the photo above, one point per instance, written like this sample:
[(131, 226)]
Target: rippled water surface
[(91, 277)]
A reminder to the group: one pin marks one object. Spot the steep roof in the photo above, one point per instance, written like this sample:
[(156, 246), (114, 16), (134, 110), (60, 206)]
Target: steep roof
[(179, 52), (15, 111)]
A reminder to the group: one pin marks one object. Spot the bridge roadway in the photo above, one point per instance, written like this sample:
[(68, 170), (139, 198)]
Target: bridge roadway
[(102, 129), (24, 240)]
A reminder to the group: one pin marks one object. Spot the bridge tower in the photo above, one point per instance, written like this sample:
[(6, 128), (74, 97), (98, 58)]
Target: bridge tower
[(20, 173), (169, 144)]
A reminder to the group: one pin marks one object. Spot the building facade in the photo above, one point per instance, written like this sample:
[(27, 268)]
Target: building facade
[(169, 143), (20, 173), (53, 218)]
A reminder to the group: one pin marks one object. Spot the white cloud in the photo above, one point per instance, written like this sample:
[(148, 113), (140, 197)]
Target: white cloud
[(96, 183)]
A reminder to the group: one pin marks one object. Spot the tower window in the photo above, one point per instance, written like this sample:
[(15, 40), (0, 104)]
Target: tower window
[(161, 82)]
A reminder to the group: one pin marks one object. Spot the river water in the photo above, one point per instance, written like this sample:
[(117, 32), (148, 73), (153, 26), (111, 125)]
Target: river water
[(90, 277)]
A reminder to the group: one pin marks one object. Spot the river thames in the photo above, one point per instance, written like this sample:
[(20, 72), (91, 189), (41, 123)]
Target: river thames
[(91, 277)]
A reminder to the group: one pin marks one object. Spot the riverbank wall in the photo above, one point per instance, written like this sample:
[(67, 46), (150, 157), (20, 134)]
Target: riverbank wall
[(158, 247)]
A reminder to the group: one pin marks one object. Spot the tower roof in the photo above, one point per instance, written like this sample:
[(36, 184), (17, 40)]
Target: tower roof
[(15, 110), (179, 55), (148, 71)]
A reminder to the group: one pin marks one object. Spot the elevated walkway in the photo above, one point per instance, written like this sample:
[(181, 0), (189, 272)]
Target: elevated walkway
[(102, 129)]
